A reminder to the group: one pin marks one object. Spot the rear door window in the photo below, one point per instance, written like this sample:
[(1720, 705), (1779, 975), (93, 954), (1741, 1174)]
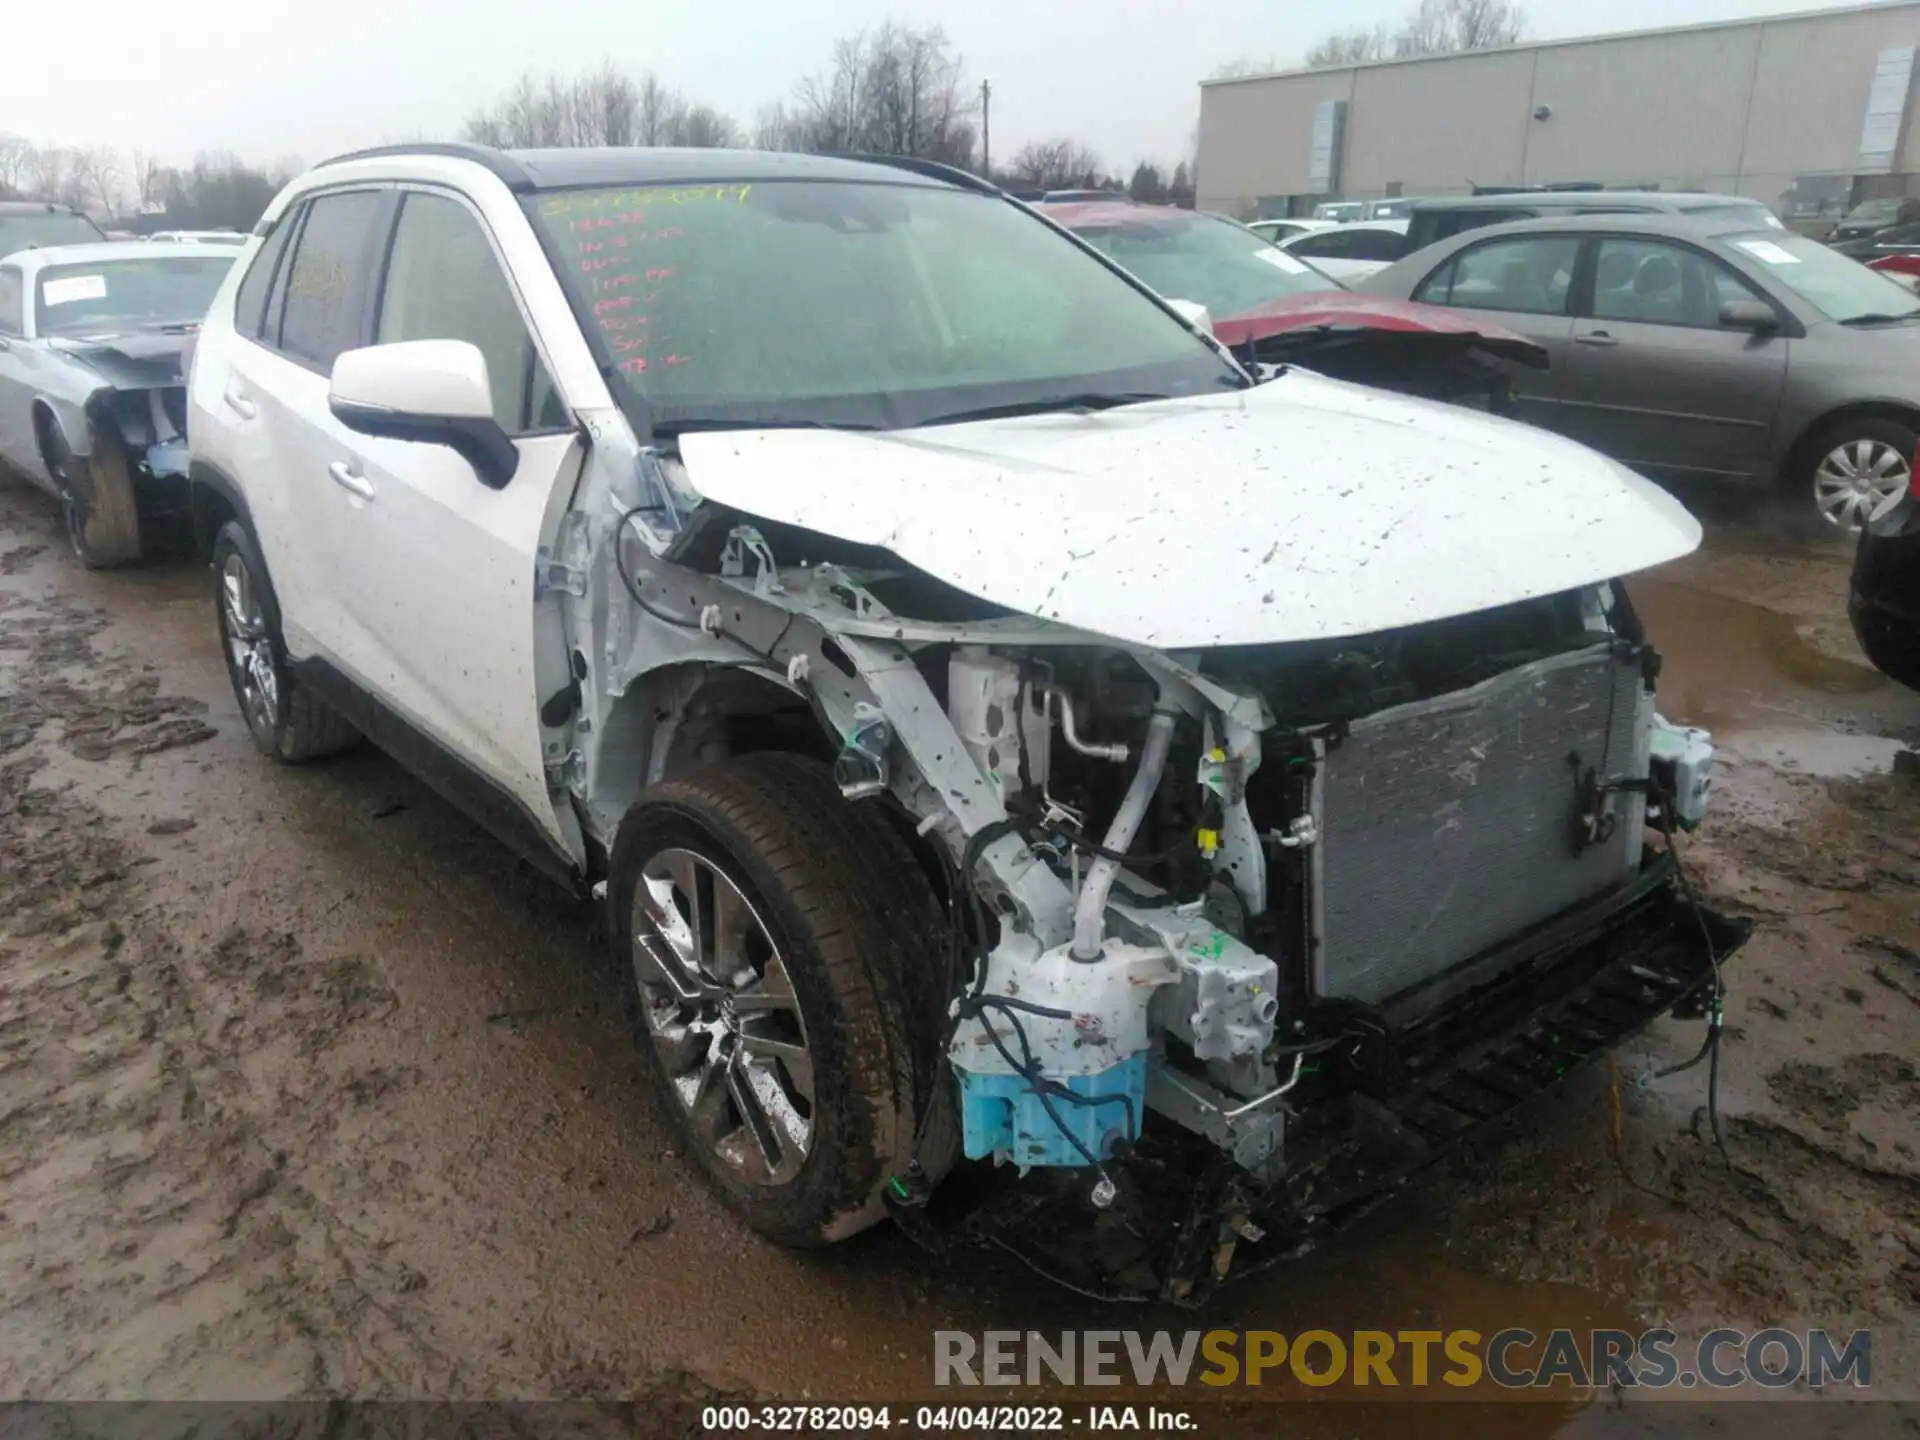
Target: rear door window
[(1531, 275), (330, 280), (250, 303)]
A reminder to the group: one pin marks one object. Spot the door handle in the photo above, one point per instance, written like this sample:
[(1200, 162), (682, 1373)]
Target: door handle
[(239, 404), (350, 480), (1595, 337)]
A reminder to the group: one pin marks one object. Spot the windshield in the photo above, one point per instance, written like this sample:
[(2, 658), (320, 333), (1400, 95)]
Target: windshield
[(1839, 288), (119, 295), (38, 229), (1213, 262), (852, 304)]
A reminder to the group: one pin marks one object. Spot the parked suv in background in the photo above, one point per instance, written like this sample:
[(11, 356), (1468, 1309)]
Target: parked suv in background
[(1446, 216), (810, 557)]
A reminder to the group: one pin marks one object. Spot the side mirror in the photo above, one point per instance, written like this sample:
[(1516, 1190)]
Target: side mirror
[(1195, 314), (1748, 315), (432, 392)]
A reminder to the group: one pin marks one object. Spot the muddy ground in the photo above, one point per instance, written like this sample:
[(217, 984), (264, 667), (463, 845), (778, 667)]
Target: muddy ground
[(309, 1089)]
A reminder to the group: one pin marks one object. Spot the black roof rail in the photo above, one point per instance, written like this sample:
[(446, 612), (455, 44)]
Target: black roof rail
[(932, 169), (502, 165)]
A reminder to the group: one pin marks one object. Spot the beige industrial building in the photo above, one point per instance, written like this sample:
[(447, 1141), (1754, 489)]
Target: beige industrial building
[(1810, 112)]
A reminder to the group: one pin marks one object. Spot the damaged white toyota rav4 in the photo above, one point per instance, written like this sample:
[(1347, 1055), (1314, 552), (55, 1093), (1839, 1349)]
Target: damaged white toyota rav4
[(1043, 785)]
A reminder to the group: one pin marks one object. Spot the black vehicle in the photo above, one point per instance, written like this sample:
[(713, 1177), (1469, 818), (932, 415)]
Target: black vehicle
[(35, 224), (1867, 220), (1883, 600)]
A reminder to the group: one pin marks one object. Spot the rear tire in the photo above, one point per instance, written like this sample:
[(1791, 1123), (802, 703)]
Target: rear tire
[(780, 947), (96, 498), (286, 719)]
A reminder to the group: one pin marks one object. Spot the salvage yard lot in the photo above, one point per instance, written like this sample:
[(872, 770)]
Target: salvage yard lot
[(308, 1087)]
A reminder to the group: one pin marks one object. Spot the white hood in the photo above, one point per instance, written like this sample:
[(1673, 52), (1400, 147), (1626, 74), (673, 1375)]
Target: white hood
[(1304, 508)]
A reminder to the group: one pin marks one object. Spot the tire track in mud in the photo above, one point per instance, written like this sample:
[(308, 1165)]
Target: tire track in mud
[(204, 1190), (154, 1240)]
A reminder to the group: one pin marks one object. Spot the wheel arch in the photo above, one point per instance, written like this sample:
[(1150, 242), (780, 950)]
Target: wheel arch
[(68, 420), (690, 713), (213, 498)]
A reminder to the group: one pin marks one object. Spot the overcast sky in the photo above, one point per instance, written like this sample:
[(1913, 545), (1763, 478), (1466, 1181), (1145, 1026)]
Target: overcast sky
[(308, 78)]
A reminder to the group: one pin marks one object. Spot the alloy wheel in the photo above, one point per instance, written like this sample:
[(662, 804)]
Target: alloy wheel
[(1856, 479), (723, 1018), (249, 646)]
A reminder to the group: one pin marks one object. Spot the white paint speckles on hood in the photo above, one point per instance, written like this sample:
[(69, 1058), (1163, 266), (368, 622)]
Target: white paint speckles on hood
[(1303, 509)]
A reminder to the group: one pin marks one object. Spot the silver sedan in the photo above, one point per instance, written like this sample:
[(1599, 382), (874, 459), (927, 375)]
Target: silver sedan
[(1700, 348), (92, 384)]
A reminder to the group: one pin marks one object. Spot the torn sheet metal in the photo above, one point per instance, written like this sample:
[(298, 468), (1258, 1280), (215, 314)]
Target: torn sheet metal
[(1311, 508)]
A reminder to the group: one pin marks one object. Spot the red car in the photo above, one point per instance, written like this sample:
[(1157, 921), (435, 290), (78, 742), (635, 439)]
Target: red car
[(1272, 308)]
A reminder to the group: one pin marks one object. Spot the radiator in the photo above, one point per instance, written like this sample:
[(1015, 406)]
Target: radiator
[(1449, 825)]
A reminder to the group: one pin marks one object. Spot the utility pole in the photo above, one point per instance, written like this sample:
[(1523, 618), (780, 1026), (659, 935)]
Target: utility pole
[(986, 131)]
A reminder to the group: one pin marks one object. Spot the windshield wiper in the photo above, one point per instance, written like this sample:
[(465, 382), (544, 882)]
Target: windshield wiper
[(1880, 319), (692, 424), (1075, 404)]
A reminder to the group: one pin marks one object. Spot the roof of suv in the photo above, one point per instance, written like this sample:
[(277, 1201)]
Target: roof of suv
[(524, 170), (1668, 200), (1681, 226)]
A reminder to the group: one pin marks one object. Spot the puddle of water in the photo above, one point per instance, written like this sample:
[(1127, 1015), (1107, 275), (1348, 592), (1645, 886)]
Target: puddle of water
[(1732, 666), (1823, 753)]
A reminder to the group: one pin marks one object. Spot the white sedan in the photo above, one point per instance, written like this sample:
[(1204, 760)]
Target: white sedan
[(1352, 251), (1280, 230)]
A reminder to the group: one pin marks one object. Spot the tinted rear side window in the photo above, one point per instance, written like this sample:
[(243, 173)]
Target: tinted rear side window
[(331, 277), (250, 305)]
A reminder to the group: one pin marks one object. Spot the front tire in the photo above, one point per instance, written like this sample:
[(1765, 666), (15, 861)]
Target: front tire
[(1855, 467), (287, 720), (777, 943), (97, 504)]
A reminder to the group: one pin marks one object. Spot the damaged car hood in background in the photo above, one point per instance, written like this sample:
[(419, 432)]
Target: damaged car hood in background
[(1301, 509), (134, 360)]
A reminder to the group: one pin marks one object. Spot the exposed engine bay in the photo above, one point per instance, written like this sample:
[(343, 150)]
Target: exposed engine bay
[(1240, 934)]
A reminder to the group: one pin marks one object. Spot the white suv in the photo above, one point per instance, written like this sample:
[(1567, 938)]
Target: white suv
[(996, 726)]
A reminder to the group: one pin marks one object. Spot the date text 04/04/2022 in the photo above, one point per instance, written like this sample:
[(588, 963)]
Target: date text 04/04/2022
[(937, 1419)]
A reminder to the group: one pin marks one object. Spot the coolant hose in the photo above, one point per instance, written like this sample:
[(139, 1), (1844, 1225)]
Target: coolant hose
[(1090, 910)]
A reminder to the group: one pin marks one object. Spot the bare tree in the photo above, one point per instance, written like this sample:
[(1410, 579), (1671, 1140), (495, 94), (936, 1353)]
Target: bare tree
[(599, 107), (705, 128), (1243, 67), (18, 165), (1056, 165), (1434, 27), (774, 128), (97, 170), (1351, 47), (146, 170), (895, 90), (57, 177), (1486, 24), (660, 112), (218, 191), (606, 107)]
